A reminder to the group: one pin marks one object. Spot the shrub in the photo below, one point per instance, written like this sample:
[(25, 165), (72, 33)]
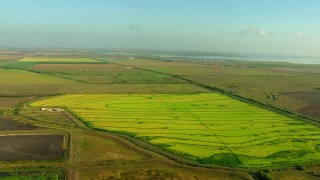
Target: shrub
[(299, 167), (261, 175)]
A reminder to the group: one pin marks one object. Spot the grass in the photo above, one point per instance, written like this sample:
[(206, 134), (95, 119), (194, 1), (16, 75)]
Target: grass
[(104, 74), (16, 82), (19, 65), (56, 59), (210, 128), (90, 148), (59, 118), (20, 77), (2, 111), (20, 82), (154, 170), (29, 176)]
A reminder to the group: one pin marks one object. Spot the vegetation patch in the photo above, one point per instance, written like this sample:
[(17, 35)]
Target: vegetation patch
[(29, 176), (90, 148), (222, 159), (2, 111), (20, 65)]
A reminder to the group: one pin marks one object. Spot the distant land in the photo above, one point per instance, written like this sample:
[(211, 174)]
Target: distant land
[(182, 55), (209, 56)]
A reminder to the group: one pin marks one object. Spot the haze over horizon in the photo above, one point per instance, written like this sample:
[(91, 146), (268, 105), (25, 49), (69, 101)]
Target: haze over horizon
[(248, 26)]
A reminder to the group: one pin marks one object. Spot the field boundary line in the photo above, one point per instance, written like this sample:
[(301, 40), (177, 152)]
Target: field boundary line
[(220, 139), (213, 133)]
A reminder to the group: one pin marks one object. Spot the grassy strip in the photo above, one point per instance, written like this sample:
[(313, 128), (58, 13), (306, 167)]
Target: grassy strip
[(2, 111), (37, 173), (46, 73)]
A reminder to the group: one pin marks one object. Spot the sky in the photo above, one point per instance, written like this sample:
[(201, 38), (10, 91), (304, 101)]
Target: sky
[(282, 27)]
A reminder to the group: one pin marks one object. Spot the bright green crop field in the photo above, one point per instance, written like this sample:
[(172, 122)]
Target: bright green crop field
[(210, 128)]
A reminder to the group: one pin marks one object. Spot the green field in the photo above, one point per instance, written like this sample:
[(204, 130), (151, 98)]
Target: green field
[(21, 82), (210, 128), (56, 59), (105, 73), (30, 176)]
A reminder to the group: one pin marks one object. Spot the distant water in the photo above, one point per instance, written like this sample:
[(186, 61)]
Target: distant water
[(237, 57), (221, 57)]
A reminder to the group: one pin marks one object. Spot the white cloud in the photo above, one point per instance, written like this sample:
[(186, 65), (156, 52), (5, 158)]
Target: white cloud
[(255, 31), (306, 38), (300, 36)]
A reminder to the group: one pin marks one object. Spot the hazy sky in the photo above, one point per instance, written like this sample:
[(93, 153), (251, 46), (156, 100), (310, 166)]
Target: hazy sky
[(251, 26)]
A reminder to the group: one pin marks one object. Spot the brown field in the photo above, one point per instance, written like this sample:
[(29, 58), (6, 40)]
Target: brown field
[(312, 100), (310, 173), (10, 124), (31, 147), (6, 59), (9, 102)]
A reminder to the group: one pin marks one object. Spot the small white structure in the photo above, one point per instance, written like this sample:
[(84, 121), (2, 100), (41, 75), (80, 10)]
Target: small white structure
[(43, 109)]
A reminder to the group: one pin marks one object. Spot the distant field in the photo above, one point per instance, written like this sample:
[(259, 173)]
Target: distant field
[(105, 74), (312, 100), (56, 59), (9, 102), (267, 82), (210, 128), (19, 82), (20, 77)]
